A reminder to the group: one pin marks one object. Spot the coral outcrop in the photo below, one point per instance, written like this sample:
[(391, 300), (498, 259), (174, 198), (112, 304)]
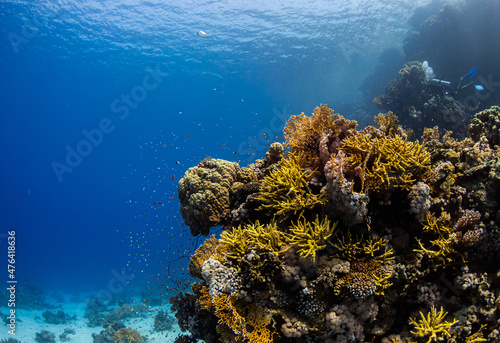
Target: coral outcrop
[(349, 236), (420, 104), (205, 193)]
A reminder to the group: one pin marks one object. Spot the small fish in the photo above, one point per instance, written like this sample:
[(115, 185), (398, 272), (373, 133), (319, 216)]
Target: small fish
[(479, 87), (202, 34), (157, 203), (173, 176)]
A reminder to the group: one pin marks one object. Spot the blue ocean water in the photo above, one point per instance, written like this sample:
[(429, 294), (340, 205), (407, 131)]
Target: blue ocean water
[(105, 106)]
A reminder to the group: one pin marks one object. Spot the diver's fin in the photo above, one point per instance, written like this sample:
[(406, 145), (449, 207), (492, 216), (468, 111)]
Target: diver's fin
[(470, 74)]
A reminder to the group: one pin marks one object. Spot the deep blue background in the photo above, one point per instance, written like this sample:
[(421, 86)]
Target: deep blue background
[(64, 63)]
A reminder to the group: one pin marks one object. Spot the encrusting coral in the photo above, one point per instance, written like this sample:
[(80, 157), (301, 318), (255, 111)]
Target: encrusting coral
[(347, 233), (486, 124)]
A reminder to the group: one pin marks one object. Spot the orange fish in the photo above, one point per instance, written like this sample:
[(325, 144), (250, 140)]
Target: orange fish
[(157, 203), (173, 176)]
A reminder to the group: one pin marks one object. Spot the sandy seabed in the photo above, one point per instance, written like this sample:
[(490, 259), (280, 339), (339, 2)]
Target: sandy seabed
[(30, 322)]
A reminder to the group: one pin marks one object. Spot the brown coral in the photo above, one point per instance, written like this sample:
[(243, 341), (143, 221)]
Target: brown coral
[(304, 133), (205, 190), (128, 335), (203, 253), (486, 124)]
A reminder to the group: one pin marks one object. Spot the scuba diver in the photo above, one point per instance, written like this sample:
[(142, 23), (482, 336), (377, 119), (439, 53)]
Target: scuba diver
[(461, 86)]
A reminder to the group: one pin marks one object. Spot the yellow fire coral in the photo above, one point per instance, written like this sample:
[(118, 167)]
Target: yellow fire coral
[(266, 237), (246, 321), (441, 252), (203, 298), (432, 327), (382, 163), (236, 242), (239, 241), (284, 191), (477, 336), (360, 248), (311, 237)]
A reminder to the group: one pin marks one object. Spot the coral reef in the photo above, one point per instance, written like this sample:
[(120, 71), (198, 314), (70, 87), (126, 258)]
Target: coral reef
[(127, 335), (486, 124), (57, 318), (163, 321), (354, 236), (45, 336), (419, 104), (64, 337)]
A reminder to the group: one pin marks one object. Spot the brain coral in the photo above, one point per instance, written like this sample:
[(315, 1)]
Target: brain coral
[(205, 190)]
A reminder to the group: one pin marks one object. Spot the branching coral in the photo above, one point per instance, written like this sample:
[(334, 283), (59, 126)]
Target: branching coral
[(246, 321), (302, 133), (382, 163), (477, 336), (285, 191), (266, 237), (432, 327), (388, 124), (405, 210), (441, 251), (311, 236), (305, 133), (347, 247), (240, 240), (236, 242), (352, 249)]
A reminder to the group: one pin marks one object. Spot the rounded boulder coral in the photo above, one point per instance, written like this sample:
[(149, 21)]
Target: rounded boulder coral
[(205, 190)]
